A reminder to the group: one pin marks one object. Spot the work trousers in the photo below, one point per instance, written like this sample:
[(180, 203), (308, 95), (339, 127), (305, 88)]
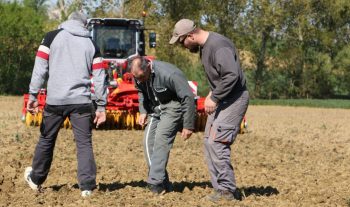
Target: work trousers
[(159, 137), (221, 130)]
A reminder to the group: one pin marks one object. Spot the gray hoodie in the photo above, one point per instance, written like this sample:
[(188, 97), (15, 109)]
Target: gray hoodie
[(68, 58)]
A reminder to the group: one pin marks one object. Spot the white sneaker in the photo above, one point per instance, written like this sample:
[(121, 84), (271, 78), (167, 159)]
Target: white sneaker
[(86, 193), (27, 178)]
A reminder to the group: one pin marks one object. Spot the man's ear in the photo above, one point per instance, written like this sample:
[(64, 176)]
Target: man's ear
[(190, 35)]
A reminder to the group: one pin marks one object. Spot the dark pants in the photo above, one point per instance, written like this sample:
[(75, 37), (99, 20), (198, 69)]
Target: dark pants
[(80, 116), (220, 132)]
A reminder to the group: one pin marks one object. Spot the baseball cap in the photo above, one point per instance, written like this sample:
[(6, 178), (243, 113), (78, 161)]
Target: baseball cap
[(182, 27)]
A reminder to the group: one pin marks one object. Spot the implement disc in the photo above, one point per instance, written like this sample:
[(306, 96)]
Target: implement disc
[(137, 118), (128, 121), (36, 119), (132, 121), (116, 116), (40, 118), (29, 119), (66, 123), (109, 120)]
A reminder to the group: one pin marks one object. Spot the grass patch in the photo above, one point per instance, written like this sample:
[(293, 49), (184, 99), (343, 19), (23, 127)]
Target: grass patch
[(318, 103)]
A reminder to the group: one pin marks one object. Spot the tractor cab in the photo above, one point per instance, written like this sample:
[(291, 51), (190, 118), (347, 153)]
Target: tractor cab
[(118, 39)]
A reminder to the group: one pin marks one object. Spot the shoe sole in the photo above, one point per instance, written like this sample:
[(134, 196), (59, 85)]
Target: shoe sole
[(86, 194), (27, 172)]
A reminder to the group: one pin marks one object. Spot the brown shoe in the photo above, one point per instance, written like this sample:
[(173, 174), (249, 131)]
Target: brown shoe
[(214, 196), (225, 195)]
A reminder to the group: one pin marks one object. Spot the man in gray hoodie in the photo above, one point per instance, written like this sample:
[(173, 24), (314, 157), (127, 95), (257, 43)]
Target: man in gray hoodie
[(66, 58)]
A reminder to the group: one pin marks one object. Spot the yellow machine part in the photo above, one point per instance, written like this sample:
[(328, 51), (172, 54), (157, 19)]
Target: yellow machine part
[(33, 119), (123, 120), (29, 119), (243, 127)]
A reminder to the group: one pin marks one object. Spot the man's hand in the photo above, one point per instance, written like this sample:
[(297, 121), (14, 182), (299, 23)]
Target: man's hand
[(32, 107), (209, 105), (142, 119), (100, 118), (186, 133)]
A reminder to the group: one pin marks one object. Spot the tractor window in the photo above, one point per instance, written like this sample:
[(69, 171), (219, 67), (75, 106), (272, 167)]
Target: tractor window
[(115, 42)]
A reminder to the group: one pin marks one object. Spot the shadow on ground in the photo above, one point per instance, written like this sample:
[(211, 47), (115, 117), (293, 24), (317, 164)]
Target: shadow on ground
[(258, 191), (180, 187), (116, 186)]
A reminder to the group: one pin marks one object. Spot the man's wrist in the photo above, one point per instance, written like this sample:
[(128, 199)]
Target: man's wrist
[(32, 97), (214, 99), (101, 109)]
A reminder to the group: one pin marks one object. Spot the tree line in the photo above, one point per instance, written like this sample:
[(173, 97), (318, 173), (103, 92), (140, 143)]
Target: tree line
[(288, 48)]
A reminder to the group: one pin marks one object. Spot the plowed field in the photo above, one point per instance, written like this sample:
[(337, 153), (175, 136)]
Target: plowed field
[(290, 157)]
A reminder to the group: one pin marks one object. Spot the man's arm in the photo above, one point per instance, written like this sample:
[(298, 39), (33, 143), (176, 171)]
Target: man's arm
[(227, 65), (143, 112), (41, 65), (179, 84), (40, 71), (142, 108), (99, 76)]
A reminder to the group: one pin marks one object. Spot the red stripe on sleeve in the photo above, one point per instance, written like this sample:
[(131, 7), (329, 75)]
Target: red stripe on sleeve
[(97, 66), (42, 55)]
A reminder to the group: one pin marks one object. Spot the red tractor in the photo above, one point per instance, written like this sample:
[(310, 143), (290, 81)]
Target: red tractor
[(119, 39)]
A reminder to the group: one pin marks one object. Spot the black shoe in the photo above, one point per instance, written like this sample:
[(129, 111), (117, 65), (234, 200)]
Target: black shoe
[(156, 189), (238, 195), (168, 186)]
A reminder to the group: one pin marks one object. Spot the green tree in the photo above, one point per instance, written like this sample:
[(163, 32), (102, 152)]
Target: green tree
[(295, 48), (342, 71), (262, 24), (21, 30), (315, 31), (37, 5)]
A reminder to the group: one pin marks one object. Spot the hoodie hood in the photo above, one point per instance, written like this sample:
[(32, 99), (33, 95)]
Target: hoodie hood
[(75, 27)]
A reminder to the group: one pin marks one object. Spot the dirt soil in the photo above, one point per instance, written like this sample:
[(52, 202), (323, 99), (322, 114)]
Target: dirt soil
[(290, 157)]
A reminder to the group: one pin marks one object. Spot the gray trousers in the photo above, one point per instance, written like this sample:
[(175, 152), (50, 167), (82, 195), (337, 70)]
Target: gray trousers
[(221, 130), (80, 116), (159, 137)]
